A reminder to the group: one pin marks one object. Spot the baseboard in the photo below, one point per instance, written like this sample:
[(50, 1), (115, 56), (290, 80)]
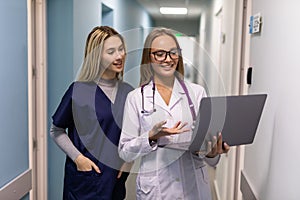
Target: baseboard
[(18, 187), (246, 189)]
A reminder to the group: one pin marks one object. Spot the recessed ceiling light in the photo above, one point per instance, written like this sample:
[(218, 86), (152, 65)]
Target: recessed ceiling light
[(173, 11)]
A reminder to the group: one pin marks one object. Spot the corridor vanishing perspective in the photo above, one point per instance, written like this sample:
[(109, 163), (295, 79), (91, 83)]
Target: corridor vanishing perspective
[(231, 48)]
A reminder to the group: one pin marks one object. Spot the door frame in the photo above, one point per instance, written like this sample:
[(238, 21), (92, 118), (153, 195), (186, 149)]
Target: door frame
[(37, 97), (243, 87)]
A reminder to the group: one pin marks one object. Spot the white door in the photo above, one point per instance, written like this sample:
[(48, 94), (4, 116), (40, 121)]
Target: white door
[(223, 174)]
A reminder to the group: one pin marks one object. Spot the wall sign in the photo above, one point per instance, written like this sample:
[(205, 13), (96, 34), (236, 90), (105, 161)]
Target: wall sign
[(255, 23)]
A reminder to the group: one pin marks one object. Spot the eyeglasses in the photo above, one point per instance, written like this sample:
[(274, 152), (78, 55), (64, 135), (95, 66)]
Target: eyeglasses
[(161, 55)]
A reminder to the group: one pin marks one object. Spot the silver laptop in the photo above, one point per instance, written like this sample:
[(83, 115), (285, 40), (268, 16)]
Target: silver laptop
[(237, 117)]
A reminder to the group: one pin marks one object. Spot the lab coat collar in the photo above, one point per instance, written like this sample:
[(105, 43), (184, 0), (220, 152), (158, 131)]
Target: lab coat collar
[(177, 95)]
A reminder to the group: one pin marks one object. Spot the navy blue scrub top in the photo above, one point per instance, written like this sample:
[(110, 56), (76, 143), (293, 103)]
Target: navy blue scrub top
[(94, 126)]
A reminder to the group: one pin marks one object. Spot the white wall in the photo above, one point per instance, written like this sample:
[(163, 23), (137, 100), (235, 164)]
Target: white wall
[(272, 162), (14, 90)]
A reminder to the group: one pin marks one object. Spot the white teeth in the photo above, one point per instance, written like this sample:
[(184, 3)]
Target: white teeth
[(169, 66)]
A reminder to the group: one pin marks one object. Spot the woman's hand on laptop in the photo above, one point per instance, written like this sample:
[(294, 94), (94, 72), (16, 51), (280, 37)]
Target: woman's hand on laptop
[(218, 148)]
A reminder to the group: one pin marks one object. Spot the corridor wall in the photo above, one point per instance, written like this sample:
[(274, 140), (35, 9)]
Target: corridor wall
[(14, 153), (272, 162)]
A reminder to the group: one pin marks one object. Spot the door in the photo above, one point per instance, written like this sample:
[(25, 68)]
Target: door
[(223, 182)]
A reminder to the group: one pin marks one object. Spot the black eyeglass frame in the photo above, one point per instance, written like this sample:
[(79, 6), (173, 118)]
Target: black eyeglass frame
[(166, 54)]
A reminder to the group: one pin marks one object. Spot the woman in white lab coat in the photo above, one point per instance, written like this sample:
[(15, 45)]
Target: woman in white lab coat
[(161, 112)]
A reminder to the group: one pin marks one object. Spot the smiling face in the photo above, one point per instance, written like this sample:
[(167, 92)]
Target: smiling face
[(113, 57), (159, 47)]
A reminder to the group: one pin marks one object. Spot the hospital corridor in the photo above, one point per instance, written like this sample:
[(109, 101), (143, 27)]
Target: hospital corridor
[(229, 47)]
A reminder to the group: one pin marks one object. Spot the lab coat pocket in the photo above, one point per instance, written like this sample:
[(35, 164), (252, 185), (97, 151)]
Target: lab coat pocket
[(204, 186), (203, 174), (147, 187)]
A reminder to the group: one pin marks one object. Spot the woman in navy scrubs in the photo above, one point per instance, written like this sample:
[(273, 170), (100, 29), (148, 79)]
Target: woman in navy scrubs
[(87, 123)]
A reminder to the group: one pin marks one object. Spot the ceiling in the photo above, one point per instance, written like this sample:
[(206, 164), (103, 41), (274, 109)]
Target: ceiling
[(194, 8)]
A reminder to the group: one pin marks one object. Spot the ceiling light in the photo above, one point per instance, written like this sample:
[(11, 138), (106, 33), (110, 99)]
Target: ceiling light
[(173, 10)]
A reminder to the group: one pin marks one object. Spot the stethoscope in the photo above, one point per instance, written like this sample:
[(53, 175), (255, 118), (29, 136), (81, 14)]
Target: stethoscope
[(153, 95), (144, 111)]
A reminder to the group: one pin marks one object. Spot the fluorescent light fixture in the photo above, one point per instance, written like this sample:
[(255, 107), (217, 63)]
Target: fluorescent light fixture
[(173, 11)]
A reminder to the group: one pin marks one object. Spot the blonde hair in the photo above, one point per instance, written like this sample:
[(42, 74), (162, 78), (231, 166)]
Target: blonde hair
[(146, 71), (91, 69)]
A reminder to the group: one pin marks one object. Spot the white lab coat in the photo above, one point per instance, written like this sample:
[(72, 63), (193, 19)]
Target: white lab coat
[(164, 174)]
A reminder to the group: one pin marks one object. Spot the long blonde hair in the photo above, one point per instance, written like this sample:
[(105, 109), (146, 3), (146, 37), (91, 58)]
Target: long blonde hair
[(146, 71), (91, 69)]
